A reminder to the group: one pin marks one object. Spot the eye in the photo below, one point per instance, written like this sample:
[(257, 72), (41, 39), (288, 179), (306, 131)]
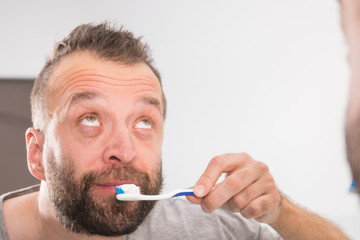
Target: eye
[(90, 121), (144, 124)]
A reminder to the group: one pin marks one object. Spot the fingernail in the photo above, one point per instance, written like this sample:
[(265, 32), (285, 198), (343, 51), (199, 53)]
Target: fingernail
[(199, 190)]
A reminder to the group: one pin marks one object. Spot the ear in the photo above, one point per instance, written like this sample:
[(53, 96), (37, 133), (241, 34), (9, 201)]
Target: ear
[(34, 147)]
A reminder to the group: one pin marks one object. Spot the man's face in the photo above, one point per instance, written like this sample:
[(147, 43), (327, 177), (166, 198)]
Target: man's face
[(106, 129)]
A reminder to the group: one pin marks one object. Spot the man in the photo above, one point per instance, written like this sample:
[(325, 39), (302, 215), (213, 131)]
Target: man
[(350, 19), (98, 111)]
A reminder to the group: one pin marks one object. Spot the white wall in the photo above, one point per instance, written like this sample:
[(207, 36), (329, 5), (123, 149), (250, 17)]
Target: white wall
[(266, 77)]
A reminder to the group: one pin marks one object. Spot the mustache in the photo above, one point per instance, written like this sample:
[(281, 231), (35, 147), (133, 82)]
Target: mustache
[(115, 173)]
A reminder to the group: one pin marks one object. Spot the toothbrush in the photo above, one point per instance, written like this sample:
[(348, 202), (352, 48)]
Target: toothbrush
[(131, 192)]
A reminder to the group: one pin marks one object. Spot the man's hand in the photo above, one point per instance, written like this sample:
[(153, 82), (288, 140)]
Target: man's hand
[(350, 21), (350, 18), (248, 188)]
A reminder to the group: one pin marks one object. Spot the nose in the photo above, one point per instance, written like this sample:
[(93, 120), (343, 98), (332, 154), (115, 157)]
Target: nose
[(119, 148)]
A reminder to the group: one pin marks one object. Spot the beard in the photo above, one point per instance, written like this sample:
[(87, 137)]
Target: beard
[(81, 211)]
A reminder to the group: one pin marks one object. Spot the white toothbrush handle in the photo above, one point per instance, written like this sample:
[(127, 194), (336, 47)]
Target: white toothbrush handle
[(140, 197)]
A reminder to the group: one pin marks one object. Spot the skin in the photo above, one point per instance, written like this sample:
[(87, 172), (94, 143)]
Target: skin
[(121, 104), (350, 21)]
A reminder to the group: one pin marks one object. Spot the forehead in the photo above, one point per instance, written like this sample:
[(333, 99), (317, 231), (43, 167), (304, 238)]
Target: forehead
[(84, 72)]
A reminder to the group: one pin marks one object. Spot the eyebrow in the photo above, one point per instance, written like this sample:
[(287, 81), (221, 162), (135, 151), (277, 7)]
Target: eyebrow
[(152, 101), (81, 96), (76, 98)]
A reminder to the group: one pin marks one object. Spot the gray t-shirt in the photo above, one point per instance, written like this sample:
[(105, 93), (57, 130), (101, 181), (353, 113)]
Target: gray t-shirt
[(179, 219)]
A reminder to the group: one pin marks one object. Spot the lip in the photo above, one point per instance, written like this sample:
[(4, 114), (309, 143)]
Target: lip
[(110, 187)]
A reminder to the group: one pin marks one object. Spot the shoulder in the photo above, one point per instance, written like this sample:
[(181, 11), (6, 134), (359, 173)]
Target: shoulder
[(20, 192), (12, 206), (13, 202)]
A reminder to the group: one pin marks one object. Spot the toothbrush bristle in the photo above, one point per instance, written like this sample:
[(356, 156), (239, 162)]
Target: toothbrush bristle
[(127, 189), (119, 190)]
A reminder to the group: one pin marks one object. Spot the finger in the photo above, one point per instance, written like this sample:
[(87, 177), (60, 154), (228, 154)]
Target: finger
[(253, 191), (258, 207), (233, 185), (217, 166), (265, 208), (194, 199)]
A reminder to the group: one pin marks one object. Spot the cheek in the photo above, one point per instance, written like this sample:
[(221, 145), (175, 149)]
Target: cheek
[(148, 155), (82, 152)]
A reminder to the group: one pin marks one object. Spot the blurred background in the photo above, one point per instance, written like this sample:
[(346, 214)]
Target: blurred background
[(269, 78)]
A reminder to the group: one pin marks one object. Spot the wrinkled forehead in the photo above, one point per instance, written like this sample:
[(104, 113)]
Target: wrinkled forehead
[(84, 72)]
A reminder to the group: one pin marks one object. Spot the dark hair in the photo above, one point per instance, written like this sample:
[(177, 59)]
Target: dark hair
[(103, 40)]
